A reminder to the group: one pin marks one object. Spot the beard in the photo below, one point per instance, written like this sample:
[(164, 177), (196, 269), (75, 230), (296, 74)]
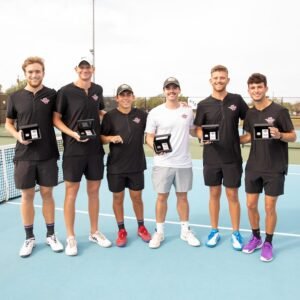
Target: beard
[(34, 83)]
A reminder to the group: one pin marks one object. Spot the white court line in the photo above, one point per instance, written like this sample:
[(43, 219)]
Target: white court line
[(168, 222)]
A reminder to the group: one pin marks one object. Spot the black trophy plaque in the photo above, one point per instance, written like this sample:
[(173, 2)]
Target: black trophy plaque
[(86, 129), (210, 133), (262, 132), (161, 143), (31, 132)]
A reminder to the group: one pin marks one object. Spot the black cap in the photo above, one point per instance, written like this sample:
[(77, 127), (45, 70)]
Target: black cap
[(171, 80), (124, 87)]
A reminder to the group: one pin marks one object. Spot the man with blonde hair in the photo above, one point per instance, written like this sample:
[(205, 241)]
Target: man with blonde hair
[(35, 159), (222, 160)]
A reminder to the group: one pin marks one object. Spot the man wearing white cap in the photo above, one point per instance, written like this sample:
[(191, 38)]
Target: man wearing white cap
[(81, 101)]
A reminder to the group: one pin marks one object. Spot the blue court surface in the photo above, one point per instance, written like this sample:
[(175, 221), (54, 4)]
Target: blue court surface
[(174, 271)]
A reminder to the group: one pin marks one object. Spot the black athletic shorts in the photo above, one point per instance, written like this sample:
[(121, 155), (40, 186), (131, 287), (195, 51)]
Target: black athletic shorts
[(271, 183), (228, 174), (75, 166), (118, 182), (28, 173)]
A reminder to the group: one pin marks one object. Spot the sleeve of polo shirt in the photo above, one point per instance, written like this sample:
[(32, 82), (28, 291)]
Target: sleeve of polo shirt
[(246, 125), (200, 116), (150, 124), (101, 100), (61, 102), (243, 108), (11, 112), (191, 119), (285, 121), (106, 127)]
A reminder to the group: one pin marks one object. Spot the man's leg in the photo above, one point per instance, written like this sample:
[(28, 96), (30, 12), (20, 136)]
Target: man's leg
[(27, 213), (271, 215), (93, 187), (69, 206), (214, 205), (183, 212), (255, 241), (214, 210), (234, 207), (138, 207), (27, 208), (48, 204), (160, 212), (49, 216), (182, 207), (95, 236)]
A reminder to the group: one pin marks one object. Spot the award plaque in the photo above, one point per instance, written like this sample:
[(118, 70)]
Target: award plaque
[(210, 133), (262, 132), (31, 132), (161, 143), (86, 129)]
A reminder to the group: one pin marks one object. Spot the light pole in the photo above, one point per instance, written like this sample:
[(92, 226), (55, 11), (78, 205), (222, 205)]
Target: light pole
[(93, 49)]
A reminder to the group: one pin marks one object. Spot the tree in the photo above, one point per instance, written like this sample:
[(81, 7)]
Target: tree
[(16, 87)]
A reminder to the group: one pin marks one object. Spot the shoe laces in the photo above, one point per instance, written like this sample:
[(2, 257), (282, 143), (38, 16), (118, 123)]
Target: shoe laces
[(122, 233), (98, 235), (28, 242), (212, 233), (238, 236), (72, 242), (268, 245), (142, 229), (53, 238)]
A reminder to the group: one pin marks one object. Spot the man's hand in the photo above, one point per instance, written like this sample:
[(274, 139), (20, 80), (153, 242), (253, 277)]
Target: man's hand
[(20, 139)]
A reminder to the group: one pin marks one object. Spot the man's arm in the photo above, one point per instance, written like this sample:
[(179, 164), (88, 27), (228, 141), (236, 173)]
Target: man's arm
[(283, 136), (59, 124), (245, 138), (150, 139), (115, 139), (10, 127)]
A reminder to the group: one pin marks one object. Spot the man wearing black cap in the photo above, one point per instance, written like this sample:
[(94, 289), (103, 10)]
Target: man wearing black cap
[(175, 167), (36, 160), (123, 128), (81, 100)]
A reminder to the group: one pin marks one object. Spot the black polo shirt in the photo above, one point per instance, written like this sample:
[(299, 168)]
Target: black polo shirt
[(74, 104), (28, 108), (268, 155), (128, 157), (226, 113)]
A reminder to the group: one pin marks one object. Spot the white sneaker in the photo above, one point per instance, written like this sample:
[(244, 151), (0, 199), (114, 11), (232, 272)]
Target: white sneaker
[(100, 239), (71, 246), (27, 247), (54, 243), (156, 239), (190, 238)]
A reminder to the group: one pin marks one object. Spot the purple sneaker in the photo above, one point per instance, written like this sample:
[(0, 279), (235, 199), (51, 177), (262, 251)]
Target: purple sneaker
[(253, 244), (266, 252)]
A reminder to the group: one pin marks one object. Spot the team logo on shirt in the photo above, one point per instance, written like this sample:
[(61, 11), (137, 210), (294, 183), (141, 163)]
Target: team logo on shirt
[(184, 116), (270, 120), (95, 97), (232, 107), (45, 100), (136, 120)]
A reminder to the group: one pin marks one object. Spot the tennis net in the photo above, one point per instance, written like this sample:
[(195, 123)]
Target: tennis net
[(7, 186)]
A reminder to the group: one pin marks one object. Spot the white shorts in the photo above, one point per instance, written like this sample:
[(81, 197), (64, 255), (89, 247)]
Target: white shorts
[(163, 178)]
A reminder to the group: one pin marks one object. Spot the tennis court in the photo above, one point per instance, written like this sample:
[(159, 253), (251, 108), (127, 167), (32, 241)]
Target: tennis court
[(174, 271)]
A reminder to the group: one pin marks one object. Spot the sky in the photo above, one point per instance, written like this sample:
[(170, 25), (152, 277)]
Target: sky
[(142, 42)]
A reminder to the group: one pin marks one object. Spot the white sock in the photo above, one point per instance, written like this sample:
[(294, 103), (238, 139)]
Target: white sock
[(160, 227), (185, 226)]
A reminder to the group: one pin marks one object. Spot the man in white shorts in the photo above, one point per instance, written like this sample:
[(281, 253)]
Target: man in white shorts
[(175, 167)]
